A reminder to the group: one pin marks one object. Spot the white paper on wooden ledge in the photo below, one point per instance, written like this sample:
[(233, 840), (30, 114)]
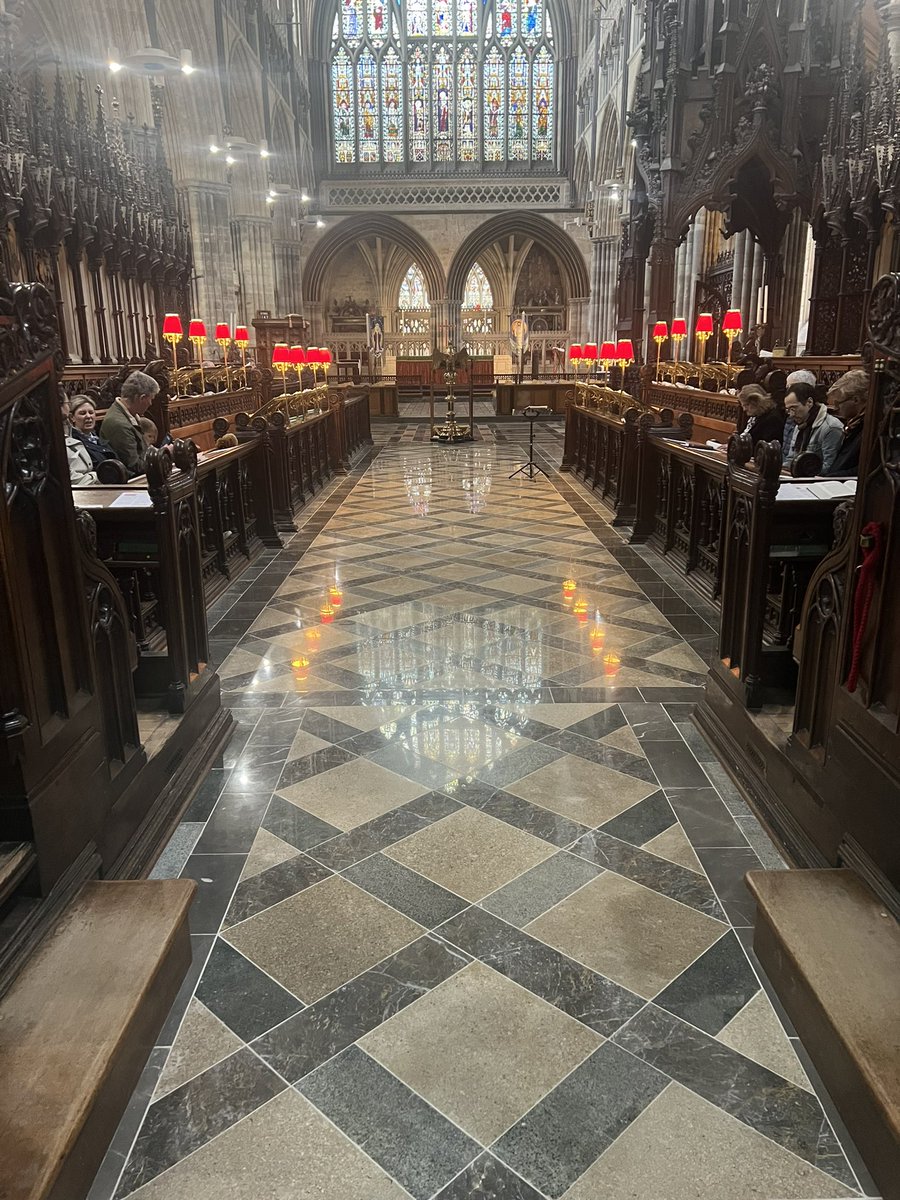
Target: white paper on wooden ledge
[(132, 500)]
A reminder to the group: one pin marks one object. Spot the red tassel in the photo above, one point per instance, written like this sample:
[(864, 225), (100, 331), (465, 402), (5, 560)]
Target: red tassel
[(872, 540)]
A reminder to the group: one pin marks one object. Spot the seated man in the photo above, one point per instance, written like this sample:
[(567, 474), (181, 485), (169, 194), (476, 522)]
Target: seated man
[(790, 429), (848, 396), (817, 430), (121, 425)]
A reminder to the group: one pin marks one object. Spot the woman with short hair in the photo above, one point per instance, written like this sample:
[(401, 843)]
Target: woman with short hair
[(765, 420), (83, 419)]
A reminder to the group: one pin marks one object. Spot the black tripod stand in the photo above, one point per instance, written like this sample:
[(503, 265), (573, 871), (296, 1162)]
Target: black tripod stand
[(530, 469)]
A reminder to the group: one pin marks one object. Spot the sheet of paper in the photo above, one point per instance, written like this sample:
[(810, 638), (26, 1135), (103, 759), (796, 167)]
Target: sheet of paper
[(132, 500), (794, 491)]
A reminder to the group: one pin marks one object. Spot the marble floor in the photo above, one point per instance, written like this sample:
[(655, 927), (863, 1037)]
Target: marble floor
[(471, 919)]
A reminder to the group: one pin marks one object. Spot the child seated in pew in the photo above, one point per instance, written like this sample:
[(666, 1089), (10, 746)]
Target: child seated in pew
[(149, 431)]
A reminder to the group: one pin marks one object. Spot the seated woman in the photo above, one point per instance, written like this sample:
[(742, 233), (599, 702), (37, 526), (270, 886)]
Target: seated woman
[(81, 469), (83, 418), (817, 430), (765, 419)]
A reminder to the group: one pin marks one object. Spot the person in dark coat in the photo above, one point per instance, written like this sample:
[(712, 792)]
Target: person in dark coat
[(83, 419), (848, 397), (121, 425), (765, 420)]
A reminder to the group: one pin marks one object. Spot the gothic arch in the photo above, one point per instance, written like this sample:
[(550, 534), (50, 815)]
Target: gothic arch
[(354, 229), (569, 258)]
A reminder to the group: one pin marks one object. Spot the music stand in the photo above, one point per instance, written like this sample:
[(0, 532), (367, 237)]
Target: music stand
[(531, 469)]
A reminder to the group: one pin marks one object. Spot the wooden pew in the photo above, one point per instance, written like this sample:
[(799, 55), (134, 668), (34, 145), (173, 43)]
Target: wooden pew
[(776, 532), (715, 413), (602, 448), (681, 495), (151, 543)]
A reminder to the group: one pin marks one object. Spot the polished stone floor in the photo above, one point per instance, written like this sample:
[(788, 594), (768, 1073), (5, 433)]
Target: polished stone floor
[(471, 919)]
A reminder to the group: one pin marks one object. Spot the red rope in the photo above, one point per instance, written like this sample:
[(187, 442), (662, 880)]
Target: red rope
[(871, 540)]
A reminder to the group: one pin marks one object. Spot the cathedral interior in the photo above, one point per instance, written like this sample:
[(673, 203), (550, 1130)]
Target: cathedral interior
[(449, 680)]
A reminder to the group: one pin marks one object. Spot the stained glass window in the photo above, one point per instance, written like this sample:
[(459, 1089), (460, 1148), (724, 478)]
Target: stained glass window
[(419, 108), (518, 105), (392, 93), (344, 108), (413, 296), (494, 106), (467, 116), (442, 91), (379, 21), (541, 106), (443, 81), (367, 98), (478, 294), (352, 22)]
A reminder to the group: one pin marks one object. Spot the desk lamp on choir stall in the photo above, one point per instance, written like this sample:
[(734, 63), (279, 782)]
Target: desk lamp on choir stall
[(173, 333), (242, 341), (703, 332), (223, 337), (731, 327), (660, 335), (197, 336)]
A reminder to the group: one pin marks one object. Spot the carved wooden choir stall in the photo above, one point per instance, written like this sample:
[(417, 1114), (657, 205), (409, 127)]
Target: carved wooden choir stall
[(802, 702), (110, 717)]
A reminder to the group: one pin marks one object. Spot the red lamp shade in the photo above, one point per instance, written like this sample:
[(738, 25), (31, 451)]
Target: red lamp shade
[(297, 356), (704, 323), (197, 330), (575, 352), (223, 333), (313, 355), (731, 322), (625, 350), (608, 351), (241, 336), (280, 353), (172, 325), (590, 351), (679, 327), (661, 330), (326, 356)]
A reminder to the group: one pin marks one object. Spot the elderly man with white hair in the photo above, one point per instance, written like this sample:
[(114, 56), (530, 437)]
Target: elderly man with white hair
[(122, 424)]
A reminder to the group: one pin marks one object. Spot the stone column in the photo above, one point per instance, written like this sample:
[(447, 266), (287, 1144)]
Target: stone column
[(314, 311), (208, 206), (756, 279), (680, 275), (737, 275), (696, 266), (288, 276), (256, 266)]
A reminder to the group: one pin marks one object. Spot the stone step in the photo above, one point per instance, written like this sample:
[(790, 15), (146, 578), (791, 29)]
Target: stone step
[(832, 952), (77, 1026)]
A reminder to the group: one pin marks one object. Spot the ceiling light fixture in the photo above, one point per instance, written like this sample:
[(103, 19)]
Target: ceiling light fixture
[(187, 63), (113, 61)]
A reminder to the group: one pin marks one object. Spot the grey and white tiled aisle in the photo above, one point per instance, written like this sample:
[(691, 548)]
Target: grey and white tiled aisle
[(471, 920)]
